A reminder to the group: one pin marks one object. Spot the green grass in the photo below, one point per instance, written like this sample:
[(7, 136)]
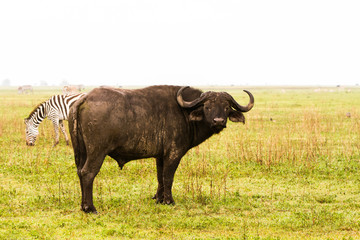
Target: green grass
[(295, 176)]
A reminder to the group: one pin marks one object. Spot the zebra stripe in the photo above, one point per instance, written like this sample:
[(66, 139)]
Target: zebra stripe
[(55, 109)]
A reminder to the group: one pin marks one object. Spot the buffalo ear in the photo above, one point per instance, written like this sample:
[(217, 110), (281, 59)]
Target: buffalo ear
[(196, 115), (236, 116)]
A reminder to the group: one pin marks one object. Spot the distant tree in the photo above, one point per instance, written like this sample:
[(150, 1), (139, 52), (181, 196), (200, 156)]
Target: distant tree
[(6, 82)]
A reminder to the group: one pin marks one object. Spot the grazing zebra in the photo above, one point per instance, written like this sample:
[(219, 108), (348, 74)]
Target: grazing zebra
[(55, 109), (73, 89), (25, 89)]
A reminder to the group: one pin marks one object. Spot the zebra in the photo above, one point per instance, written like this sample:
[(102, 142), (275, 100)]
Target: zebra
[(55, 109), (25, 89), (73, 89)]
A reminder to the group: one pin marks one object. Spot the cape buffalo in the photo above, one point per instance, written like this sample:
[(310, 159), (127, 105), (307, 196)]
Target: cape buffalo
[(163, 122)]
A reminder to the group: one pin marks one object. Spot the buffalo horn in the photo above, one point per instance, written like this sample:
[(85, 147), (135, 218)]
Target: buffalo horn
[(242, 108), (186, 104)]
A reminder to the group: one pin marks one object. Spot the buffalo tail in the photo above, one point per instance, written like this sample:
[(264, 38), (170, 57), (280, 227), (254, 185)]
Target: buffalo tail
[(76, 133)]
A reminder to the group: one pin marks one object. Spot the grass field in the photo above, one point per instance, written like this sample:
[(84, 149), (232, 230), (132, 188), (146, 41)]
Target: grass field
[(291, 172)]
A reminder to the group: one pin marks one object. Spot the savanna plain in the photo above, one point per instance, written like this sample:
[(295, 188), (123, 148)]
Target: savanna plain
[(291, 172)]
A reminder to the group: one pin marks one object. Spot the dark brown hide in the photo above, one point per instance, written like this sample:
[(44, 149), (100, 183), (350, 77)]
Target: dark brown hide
[(143, 123)]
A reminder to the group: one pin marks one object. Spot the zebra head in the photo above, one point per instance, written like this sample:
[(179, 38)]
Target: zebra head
[(31, 132)]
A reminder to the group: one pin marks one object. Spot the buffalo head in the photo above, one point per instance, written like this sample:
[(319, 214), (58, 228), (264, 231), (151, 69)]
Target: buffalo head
[(214, 108)]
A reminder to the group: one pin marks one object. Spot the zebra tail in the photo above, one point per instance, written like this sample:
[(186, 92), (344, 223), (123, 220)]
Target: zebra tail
[(76, 133)]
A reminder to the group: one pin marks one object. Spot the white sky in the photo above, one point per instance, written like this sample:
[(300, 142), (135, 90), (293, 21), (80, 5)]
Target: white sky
[(185, 42)]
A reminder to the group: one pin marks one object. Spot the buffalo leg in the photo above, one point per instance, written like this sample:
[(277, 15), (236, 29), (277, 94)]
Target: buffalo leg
[(87, 175), (159, 196), (170, 166), (81, 186)]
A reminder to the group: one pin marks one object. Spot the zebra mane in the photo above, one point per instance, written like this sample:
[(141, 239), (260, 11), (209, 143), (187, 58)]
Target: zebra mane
[(34, 110)]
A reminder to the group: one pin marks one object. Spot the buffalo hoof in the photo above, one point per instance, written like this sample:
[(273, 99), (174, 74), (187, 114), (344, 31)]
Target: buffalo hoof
[(89, 209), (159, 201), (168, 199), (159, 198), (169, 202), (163, 201)]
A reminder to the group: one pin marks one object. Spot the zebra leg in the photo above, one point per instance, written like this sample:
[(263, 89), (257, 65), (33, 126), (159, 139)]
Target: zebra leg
[(56, 129), (63, 131)]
